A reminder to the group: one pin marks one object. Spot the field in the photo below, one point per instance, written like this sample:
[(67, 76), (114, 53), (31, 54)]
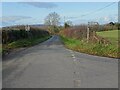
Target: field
[(111, 35)]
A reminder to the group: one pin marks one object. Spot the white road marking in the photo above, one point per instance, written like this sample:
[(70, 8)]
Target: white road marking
[(73, 55), (77, 83), (77, 80)]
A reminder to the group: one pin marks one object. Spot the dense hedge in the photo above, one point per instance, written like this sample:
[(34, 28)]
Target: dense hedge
[(9, 35), (78, 32)]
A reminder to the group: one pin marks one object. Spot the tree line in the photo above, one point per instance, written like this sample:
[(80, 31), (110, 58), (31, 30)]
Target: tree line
[(53, 23)]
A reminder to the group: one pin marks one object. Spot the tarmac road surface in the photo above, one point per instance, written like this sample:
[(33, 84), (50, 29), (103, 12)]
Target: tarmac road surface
[(51, 65)]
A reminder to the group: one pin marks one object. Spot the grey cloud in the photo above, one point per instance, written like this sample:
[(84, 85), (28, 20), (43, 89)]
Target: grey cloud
[(41, 4)]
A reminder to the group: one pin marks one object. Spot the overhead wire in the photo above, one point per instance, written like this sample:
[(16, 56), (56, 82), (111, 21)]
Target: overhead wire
[(93, 12)]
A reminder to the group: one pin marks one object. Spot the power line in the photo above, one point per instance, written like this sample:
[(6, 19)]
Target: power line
[(101, 8), (98, 10)]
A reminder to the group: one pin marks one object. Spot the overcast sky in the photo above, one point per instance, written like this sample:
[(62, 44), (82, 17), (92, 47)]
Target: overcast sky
[(14, 13)]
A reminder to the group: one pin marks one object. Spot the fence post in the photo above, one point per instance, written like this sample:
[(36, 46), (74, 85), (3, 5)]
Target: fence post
[(88, 34), (91, 26)]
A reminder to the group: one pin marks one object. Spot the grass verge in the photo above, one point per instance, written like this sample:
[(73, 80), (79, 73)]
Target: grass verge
[(91, 48), (23, 43)]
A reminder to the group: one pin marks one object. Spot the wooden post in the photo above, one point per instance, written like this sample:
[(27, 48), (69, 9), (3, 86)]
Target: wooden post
[(88, 34), (90, 29)]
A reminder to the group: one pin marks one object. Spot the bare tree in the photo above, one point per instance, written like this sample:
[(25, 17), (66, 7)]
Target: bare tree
[(53, 19)]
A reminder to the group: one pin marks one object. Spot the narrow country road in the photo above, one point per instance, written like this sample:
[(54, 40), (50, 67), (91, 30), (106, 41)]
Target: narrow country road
[(51, 65)]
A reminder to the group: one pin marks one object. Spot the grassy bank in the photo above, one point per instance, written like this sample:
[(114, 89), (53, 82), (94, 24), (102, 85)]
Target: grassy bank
[(91, 48), (23, 43)]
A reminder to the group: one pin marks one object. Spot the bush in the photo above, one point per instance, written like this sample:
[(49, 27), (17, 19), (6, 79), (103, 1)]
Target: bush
[(78, 32)]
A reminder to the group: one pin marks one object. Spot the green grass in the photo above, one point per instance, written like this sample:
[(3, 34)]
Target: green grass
[(90, 48), (23, 43), (111, 35)]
